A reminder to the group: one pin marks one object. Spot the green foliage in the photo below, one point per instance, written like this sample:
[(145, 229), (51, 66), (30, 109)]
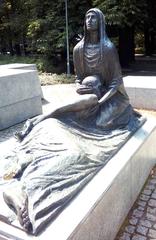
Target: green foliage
[(123, 12), (52, 35), (14, 15), (7, 59), (49, 79), (139, 40), (34, 27), (46, 30)]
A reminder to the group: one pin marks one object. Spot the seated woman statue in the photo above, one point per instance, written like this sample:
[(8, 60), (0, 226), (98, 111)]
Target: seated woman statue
[(61, 151), (96, 55)]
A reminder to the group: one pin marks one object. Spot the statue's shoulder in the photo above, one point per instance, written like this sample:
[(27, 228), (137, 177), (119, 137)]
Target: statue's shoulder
[(110, 47), (78, 47), (110, 50)]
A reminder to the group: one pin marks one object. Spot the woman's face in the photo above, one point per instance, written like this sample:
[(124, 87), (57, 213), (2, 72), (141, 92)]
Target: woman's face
[(91, 21)]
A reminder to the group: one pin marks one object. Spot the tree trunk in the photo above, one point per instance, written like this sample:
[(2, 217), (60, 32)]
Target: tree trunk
[(147, 42), (17, 49), (11, 50), (153, 42), (126, 46), (3, 46)]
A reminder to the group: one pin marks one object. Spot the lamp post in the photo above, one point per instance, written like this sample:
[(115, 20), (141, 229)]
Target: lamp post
[(67, 39)]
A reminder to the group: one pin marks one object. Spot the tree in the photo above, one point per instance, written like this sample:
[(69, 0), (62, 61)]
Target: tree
[(14, 15), (46, 29), (5, 28), (150, 28), (125, 15), (38, 27)]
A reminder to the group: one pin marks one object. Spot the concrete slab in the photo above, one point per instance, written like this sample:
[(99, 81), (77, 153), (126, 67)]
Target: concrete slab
[(18, 85), (20, 96), (22, 66), (100, 208), (19, 111), (19, 66), (141, 91)]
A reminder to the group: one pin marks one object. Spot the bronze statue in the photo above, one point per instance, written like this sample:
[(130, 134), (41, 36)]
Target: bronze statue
[(61, 151)]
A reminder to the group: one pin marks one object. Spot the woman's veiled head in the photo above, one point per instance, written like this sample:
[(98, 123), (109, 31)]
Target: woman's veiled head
[(101, 40), (94, 21), (91, 21)]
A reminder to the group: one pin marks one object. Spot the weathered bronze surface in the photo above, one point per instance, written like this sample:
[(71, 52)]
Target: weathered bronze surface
[(63, 150)]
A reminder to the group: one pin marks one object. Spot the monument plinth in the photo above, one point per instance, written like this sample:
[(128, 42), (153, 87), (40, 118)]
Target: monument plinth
[(20, 96), (61, 151)]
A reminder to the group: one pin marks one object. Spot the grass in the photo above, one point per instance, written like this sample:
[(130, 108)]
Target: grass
[(53, 78), (7, 59)]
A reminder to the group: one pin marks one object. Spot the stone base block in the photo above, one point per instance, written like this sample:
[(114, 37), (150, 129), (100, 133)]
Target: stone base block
[(20, 96), (101, 207), (141, 91), (19, 66), (20, 111)]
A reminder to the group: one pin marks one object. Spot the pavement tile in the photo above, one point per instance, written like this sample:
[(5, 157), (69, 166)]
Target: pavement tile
[(133, 221), (130, 229), (152, 202), (147, 192), (141, 203), (142, 230), (145, 223), (139, 237), (125, 236), (138, 213), (144, 197), (150, 217), (152, 181), (152, 233), (150, 186), (153, 195), (141, 208), (151, 210)]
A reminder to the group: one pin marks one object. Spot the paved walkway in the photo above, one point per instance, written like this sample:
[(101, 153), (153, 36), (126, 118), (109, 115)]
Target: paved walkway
[(141, 221)]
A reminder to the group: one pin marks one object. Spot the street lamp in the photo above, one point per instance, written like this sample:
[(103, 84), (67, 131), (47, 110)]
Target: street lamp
[(67, 39)]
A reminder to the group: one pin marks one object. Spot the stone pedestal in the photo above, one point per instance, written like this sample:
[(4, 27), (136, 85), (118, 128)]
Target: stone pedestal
[(101, 207), (21, 66), (20, 96), (141, 91)]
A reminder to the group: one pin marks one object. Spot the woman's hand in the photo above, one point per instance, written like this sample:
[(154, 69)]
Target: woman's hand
[(82, 89)]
